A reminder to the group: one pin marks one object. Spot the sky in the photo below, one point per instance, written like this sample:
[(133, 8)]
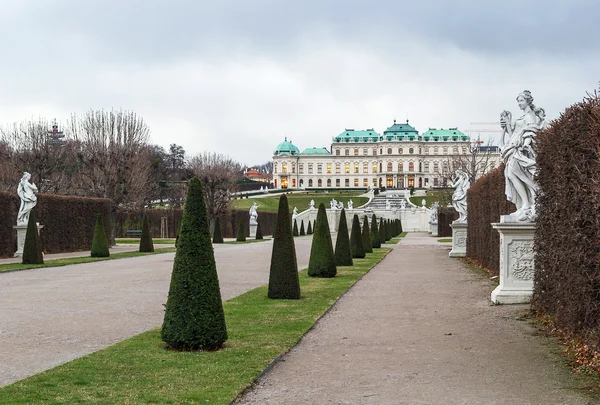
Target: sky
[(237, 77)]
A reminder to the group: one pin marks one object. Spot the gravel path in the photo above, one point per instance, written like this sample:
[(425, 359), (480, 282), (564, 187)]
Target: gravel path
[(419, 329), (52, 315)]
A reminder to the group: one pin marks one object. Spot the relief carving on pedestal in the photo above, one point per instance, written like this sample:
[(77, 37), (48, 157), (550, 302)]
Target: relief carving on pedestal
[(461, 239), (520, 259)]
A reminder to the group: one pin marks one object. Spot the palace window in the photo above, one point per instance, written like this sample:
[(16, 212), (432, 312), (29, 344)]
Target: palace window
[(426, 165), (310, 168), (400, 151), (374, 182), (426, 150), (374, 167), (328, 182), (400, 166), (355, 151), (365, 167), (389, 167), (293, 167), (355, 167), (319, 183), (337, 182), (455, 150), (445, 168), (365, 182), (294, 183), (445, 150), (435, 150), (419, 150), (284, 168), (300, 168), (347, 152), (337, 168), (337, 152), (301, 183), (347, 183), (365, 151), (411, 150), (436, 182), (436, 167), (309, 182), (355, 182), (411, 167), (381, 151), (328, 168), (464, 148), (374, 151), (380, 167), (420, 167), (319, 168), (347, 168), (274, 168), (389, 151)]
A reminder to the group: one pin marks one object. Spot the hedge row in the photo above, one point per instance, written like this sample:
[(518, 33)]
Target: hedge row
[(567, 238), (133, 220), (68, 222), (445, 217), (486, 202)]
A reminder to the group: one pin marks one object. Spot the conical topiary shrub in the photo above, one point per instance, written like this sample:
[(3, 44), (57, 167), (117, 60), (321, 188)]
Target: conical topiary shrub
[(259, 234), (241, 231), (375, 242), (366, 236), (343, 254), (314, 224), (302, 232), (309, 231), (218, 232), (32, 250), (400, 230), (99, 243), (283, 274), (194, 318), (382, 231), (146, 243), (295, 231), (322, 260), (388, 230), (356, 240)]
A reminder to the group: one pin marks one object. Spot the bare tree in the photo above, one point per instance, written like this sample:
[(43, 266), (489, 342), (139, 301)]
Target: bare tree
[(476, 162), (266, 167), (218, 174)]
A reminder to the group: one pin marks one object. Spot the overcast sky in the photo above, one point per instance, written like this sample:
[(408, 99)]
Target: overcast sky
[(236, 77)]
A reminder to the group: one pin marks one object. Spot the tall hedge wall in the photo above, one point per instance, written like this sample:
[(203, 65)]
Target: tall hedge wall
[(68, 222), (133, 219), (486, 202), (567, 238), (445, 217)]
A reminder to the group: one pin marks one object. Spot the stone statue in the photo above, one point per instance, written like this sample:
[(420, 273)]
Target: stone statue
[(459, 199), (423, 202), (519, 156), (350, 204), (403, 203), (254, 214), (333, 204), (26, 192), (340, 205), (312, 204), (294, 213), (433, 214), (388, 204)]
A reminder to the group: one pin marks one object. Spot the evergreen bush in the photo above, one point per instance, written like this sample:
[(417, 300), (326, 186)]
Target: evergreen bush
[(382, 232), (356, 239), (218, 231), (99, 243), (343, 254), (295, 231), (388, 230), (146, 243), (366, 236), (400, 230), (322, 260), (32, 251), (283, 274), (309, 231), (241, 231), (259, 234), (302, 232), (375, 240), (194, 318)]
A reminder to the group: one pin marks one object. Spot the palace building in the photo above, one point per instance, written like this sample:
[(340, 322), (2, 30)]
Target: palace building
[(400, 158)]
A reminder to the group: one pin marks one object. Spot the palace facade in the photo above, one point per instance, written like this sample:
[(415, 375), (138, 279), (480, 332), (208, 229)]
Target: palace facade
[(400, 158)]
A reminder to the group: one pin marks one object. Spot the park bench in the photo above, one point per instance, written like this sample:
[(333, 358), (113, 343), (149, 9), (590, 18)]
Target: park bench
[(133, 233)]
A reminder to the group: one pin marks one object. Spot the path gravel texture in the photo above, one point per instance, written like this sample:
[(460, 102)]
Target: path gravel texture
[(419, 329), (52, 315)]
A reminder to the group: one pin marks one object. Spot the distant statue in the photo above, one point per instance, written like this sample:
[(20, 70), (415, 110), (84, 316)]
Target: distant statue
[(519, 156), (26, 192), (403, 203), (294, 213), (459, 199), (254, 214), (388, 204), (433, 215), (423, 202), (350, 204), (312, 204), (340, 205)]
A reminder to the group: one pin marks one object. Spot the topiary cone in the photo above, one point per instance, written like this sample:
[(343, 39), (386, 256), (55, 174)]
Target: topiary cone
[(32, 250), (356, 240), (241, 230), (283, 274), (343, 254), (218, 232), (388, 230), (322, 260), (375, 242), (309, 230), (194, 318), (382, 232), (366, 236), (146, 243), (400, 230), (295, 231), (259, 234), (99, 243), (302, 233)]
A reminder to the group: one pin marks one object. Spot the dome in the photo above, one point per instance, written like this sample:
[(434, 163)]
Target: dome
[(286, 148)]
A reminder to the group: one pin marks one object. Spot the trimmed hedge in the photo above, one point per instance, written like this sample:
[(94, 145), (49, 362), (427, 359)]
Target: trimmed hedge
[(32, 251), (218, 233), (309, 231), (100, 243), (146, 243), (322, 260), (259, 234), (302, 231), (343, 254), (375, 242), (356, 239), (133, 219), (295, 230), (366, 236), (486, 202), (241, 231), (446, 216)]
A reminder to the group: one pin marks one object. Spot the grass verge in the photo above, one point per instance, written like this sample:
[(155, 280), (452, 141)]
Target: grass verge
[(136, 241), (443, 240), (393, 241), (77, 260), (141, 371)]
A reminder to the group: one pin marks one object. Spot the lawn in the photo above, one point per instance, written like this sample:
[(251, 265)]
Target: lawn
[(302, 201), (397, 239), (140, 370), (444, 240), (136, 241)]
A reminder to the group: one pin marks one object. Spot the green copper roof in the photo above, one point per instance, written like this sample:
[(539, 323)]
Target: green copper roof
[(401, 132), (451, 134), (315, 151), (286, 148), (351, 135)]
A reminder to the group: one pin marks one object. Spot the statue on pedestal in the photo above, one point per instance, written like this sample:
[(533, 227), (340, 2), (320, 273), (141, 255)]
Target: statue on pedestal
[(433, 215), (519, 156), (388, 204), (333, 204), (254, 214), (26, 192), (312, 204), (350, 204), (461, 184), (403, 204), (294, 213)]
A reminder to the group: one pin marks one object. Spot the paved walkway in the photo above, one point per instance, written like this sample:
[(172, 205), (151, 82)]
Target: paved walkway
[(52, 315), (419, 329)]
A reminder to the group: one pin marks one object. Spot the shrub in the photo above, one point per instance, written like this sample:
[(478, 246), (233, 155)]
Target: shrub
[(241, 231), (382, 232), (446, 216), (400, 230), (32, 251), (356, 239), (366, 236), (194, 318), (375, 240), (218, 232), (302, 232), (146, 243), (322, 260), (343, 254), (295, 231), (99, 243), (309, 231), (259, 234), (283, 274), (387, 230)]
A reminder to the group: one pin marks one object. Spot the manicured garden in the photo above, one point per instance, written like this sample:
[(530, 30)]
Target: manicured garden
[(302, 201)]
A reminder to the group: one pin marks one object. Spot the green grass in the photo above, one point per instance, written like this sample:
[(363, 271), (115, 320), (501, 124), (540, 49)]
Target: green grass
[(78, 260), (136, 241), (302, 201), (235, 242), (393, 241), (443, 196), (445, 240), (140, 370)]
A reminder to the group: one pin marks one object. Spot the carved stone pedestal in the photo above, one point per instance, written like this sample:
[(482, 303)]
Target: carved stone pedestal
[(516, 261), (21, 234), (433, 228), (459, 239), (253, 230), (333, 217)]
